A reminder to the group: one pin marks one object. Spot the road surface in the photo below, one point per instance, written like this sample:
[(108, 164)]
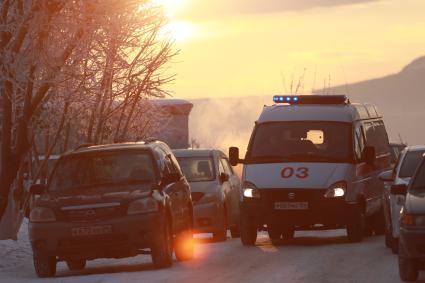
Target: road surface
[(319, 256)]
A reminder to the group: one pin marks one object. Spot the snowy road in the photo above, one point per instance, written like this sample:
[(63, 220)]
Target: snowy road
[(311, 257)]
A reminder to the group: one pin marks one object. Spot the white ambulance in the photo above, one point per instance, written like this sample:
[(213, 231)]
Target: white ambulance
[(313, 163)]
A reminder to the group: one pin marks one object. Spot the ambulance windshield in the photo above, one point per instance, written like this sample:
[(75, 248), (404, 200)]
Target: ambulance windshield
[(307, 141)]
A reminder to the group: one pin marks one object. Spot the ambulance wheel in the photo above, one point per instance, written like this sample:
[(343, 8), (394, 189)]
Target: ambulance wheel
[(355, 225)]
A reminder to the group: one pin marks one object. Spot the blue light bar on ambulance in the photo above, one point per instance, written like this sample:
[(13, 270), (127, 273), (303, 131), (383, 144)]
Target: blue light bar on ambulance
[(311, 99)]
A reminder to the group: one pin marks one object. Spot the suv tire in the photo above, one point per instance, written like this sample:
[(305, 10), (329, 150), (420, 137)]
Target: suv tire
[(389, 239), (235, 231), (275, 234), (407, 267), (378, 222), (355, 225), (221, 235), (248, 232), (44, 265), (288, 233), (76, 264), (162, 249), (395, 246)]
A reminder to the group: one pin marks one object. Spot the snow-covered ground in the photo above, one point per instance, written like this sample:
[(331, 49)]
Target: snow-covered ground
[(311, 257)]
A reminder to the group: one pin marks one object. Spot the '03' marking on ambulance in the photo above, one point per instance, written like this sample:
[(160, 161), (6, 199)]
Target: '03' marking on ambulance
[(300, 173)]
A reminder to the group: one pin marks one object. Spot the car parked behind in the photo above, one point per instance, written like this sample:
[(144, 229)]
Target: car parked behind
[(215, 191), (409, 159), (112, 201), (411, 257)]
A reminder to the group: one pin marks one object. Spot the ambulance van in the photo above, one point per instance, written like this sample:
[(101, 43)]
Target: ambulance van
[(313, 163)]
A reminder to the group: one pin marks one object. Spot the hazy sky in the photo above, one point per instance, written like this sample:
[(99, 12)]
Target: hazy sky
[(258, 47)]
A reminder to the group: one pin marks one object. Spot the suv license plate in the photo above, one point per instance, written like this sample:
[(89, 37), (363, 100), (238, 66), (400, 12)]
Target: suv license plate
[(291, 205), (91, 230)]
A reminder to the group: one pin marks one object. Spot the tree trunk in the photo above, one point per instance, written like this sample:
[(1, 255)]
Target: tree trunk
[(8, 161)]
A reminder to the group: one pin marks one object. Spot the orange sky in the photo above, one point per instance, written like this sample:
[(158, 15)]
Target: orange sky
[(257, 47)]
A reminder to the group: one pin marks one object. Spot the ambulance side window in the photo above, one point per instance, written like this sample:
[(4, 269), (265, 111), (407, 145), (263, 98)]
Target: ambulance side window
[(376, 136)]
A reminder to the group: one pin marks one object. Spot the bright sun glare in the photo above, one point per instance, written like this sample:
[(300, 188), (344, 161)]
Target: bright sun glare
[(177, 29), (171, 6)]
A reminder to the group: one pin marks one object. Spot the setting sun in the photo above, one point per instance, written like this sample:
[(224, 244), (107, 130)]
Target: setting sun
[(171, 6)]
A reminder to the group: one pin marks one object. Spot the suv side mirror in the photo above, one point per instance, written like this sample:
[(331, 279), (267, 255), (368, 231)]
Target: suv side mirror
[(224, 177), (386, 176), (38, 189), (399, 189), (170, 178), (369, 155), (234, 156)]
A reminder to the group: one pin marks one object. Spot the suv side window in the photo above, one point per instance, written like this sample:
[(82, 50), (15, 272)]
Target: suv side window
[(383, 146), (376, 136), (227, 168), (220, 167)]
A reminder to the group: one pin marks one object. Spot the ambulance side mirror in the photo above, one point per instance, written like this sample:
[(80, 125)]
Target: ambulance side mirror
[(234, 156)]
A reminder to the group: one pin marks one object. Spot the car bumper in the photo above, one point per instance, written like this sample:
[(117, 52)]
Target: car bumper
[(321, 213), (413, 243), (208, 217), (128, 235)]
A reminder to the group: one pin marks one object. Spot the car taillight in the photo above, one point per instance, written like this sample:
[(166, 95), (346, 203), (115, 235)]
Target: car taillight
[(408, 220)]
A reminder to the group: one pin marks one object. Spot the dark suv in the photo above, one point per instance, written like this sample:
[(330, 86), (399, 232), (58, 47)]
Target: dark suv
[(112, 201)]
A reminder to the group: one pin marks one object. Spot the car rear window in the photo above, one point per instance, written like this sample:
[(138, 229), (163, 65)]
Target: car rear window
[(410, 162), (107, 168), (197, 169)]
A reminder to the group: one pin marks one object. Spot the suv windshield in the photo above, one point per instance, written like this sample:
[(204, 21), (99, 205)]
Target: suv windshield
[(410, 162), (308, 141), (419, 179), (107, 168), (197, 169)]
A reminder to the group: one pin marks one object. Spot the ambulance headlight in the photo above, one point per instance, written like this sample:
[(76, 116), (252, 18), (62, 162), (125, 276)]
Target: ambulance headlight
[(250, 191), (337, 190)]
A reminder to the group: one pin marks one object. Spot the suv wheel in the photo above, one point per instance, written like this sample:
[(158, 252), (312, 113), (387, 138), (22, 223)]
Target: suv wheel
[(389, 240), (162, 249), (76, 264), (221, 235), (275, 234), (45, 266), (248, 232), (394, 246), (407, 267), (183, 245), (378, 222), (235, 231), (288, 233), (355, 225)]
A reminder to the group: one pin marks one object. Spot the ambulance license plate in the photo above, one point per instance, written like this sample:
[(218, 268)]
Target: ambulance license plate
[(91, 231), (286, 205)]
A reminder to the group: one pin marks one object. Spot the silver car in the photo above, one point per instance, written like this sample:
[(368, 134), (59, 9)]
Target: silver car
[(215, 191), (404, 169)]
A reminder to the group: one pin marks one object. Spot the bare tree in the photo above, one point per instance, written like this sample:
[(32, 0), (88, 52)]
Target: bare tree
[(76, 67)]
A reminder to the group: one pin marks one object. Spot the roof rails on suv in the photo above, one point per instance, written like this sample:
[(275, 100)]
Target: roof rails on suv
[(84, 145)]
